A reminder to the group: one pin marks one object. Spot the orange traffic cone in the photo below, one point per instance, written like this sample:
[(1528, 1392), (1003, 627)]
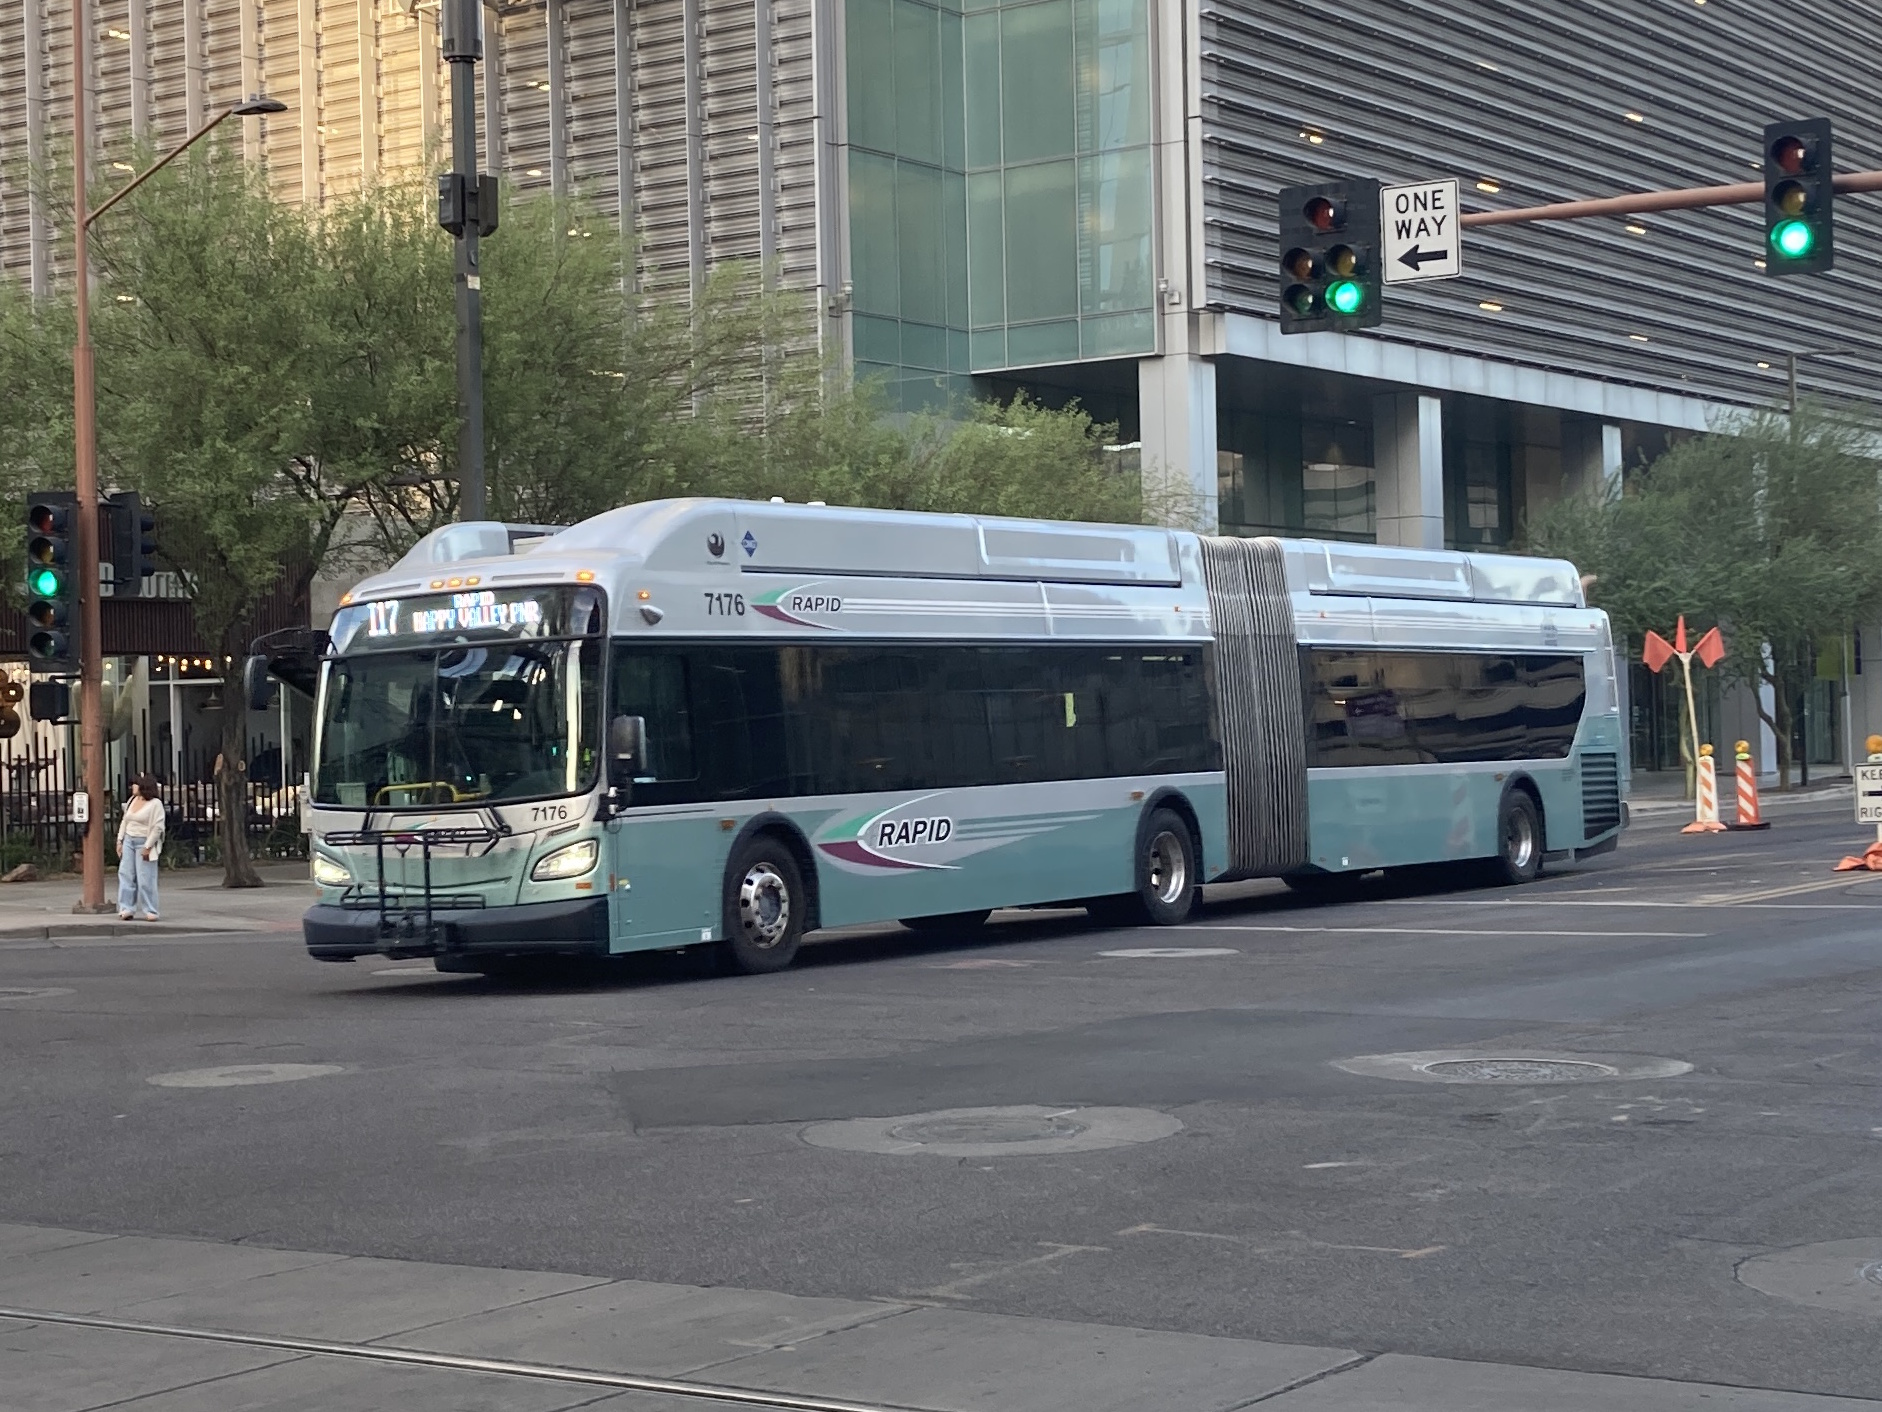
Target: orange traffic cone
[(1747, 791)]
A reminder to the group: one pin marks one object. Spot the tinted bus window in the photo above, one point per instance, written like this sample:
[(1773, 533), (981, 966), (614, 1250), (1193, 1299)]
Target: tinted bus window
[(1401, 708), (802, 719)]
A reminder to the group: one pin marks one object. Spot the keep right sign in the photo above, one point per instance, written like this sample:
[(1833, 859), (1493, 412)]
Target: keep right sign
[(1869, 794), (1422, 237)]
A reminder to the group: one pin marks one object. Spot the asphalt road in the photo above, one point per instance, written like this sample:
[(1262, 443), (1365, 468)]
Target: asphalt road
[(651, 1123)]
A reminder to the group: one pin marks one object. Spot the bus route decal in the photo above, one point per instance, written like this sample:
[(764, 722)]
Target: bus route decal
[(786, 604)]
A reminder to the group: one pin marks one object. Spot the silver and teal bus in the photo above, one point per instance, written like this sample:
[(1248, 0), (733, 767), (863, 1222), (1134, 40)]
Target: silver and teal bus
[(726, 723)]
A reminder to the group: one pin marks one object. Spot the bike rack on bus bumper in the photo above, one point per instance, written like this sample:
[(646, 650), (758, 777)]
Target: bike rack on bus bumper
[(405, 928)]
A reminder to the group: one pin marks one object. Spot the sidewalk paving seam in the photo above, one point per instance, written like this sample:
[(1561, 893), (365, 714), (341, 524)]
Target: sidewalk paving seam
[(1359, 1361), (415, 1357), (199, 1382)]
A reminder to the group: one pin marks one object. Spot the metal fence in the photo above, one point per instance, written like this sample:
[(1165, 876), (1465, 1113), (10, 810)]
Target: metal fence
[(38, 777)]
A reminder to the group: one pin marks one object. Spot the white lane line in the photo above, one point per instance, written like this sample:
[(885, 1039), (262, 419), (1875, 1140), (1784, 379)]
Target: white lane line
[(1419, 931), (1683, 906)]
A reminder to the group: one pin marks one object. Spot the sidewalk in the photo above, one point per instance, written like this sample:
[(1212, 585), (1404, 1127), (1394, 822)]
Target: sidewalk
[(141, 1324), (193, 900), (1664, 792)]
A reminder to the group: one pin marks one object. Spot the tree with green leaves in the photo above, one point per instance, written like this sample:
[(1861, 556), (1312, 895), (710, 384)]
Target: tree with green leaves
[(1768, 528), (279, 382)]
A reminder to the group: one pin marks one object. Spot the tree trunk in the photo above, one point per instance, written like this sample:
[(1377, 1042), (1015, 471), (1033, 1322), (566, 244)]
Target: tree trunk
[(232, 785), (1780, 720)]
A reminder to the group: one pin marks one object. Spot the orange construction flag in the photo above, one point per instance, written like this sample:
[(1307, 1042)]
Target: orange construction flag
[(1658, 651), (1711, 647), (1871, 859), (1679, 635)]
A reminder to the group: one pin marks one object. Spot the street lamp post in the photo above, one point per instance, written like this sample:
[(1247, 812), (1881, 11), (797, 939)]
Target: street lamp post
[(91, 739)]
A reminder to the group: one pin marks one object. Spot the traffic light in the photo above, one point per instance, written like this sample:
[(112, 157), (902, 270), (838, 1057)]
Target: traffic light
[(133, 541), (50, 702), (1799, 199), (1330, 275), (51, 581), (11, 694)]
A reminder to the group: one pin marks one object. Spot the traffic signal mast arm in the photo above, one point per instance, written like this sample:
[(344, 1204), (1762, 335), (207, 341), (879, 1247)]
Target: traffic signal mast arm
[(1690, 198)]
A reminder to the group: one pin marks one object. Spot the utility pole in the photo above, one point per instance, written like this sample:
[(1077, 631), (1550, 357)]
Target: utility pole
[(467, 207)]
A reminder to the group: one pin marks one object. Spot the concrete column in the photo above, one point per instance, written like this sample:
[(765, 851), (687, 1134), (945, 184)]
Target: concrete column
[(1591, 456), (307, 37), (1408, 462), (558, 99), (366, 46), (1177, 410), (139, 20), (195, 66), (38, 223)]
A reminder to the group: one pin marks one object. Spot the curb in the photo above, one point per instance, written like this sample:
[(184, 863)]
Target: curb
[(53, 931)]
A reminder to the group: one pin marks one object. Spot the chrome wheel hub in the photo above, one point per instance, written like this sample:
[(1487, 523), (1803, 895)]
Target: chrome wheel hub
[(1169, 867), (764, 906), (1519, 840)]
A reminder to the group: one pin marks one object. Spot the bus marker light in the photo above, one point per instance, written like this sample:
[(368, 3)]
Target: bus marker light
[(437, 583), (643, 595), (1136, 794), (584, 576), (727, 825)]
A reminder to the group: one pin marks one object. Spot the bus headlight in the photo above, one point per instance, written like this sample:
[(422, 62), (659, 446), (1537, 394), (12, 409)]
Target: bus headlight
[(570, 862), (329, 873)]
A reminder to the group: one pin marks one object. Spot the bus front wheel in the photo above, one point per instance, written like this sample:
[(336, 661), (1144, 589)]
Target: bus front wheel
[(1519, 841), (1167, 877), (765, 903)]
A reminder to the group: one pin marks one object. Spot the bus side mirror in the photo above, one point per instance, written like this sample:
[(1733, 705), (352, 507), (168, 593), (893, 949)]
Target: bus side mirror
[(627, 749), (257, 686)]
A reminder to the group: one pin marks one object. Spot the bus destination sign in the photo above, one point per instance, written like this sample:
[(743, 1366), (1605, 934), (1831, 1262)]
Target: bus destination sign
[(475, 610)]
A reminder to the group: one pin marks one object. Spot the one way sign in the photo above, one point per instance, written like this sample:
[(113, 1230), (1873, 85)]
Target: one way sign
[(1422, 237)]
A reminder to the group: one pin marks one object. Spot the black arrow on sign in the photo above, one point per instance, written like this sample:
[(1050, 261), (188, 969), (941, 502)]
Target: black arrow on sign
[(1416, 257)]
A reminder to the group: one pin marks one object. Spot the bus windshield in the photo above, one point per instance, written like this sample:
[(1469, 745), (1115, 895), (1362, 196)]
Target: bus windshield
[(466, 724)]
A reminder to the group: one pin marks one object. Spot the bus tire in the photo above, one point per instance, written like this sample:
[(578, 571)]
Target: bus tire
[(1167, 877), (765, 905), (1518, 841), (949, 921)]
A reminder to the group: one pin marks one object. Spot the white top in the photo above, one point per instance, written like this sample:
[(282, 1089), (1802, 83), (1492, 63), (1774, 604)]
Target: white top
[(143, 818)]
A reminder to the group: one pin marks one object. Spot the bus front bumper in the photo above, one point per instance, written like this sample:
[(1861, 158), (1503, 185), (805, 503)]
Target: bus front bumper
[(578, 927)]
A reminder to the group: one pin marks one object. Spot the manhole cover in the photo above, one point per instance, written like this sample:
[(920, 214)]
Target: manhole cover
[(989, 1128), (1519, 1071), (1842, 1275), (242, 1075), (1464, 1066), (1018, 1131)]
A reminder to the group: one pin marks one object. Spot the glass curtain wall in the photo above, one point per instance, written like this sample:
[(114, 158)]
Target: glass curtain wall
[(1000, 186)]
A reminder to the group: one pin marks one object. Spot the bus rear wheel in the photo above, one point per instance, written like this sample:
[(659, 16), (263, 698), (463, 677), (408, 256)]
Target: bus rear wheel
[(1167, 877), (765, 903), (1519, 841), (949, 921)]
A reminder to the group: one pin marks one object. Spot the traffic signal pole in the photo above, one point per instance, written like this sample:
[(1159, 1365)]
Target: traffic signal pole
[(1690, 198), (91, 737)]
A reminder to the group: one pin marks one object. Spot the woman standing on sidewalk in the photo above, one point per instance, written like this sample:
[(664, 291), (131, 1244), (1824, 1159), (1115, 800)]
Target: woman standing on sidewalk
[(140, 848)]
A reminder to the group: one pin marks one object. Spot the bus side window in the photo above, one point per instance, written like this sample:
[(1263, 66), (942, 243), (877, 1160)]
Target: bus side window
[(653, 686)]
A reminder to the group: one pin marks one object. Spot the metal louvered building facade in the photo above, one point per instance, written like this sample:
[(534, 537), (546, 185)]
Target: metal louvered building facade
[(692, 121)]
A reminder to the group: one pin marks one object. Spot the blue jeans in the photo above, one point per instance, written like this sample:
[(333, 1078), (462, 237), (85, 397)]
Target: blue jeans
[(137, 879)]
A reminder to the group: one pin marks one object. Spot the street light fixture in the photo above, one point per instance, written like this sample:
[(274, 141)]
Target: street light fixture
[(85, 449)]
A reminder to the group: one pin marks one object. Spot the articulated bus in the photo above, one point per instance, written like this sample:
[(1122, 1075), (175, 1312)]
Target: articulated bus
[(727, 723)]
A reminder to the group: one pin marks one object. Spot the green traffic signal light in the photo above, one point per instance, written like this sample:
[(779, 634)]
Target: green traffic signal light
[(1793, 239), (44, 583), (1345, 296)]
